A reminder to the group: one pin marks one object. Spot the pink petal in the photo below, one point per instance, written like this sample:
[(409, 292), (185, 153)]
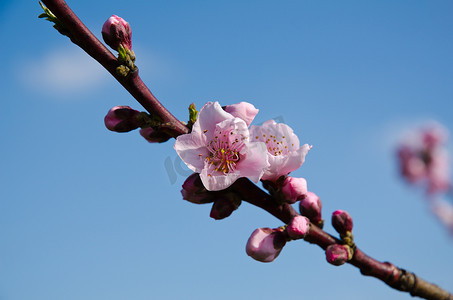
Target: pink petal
[(254, 162), (282, 144), (284, 164), (191, 148), (295, 160), (216, 181), (242, 110), (209, 116)]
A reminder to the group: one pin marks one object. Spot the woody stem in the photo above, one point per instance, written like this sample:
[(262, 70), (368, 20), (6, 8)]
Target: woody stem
[(81, 36)]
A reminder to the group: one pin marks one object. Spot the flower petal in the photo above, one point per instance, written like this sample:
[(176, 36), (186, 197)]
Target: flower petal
[(215, 180), (254, 163), (294, 160), (209, 116), (282, 144), (243, 110), (191, 148)]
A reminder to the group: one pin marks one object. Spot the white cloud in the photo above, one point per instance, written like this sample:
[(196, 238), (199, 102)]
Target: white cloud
[(62, 71), (69, 73)]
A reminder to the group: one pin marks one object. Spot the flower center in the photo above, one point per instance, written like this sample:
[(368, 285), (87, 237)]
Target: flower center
[(276, 146), (224, 151)]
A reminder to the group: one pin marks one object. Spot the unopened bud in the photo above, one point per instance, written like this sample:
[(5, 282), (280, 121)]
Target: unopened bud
[(298, 227), (242, 110), (224, 205), (342, 221), (194, 191), (116, 31), (121, 119), (294, 189), (265, 244), (154, 136), (310, 206), (337, 254)]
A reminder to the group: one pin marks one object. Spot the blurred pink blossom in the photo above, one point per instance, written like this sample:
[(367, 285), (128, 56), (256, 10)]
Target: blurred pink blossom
[(444, 212), (424, 159)]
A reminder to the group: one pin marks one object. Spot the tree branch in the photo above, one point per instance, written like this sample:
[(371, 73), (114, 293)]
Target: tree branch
[(394, 277), (81, 36)]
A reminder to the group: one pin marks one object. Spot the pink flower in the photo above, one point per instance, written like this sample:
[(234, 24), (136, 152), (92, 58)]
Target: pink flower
[(219, 149), (265, 244), (294, 189), (298, 227), (283, 149), (242, 110), (116, 31)]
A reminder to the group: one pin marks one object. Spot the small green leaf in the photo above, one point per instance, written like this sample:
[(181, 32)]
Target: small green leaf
[(122, 53), (193, 113)]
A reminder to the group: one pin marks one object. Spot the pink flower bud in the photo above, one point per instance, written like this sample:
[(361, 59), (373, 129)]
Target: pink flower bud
[(242, 110), (342, 221), (265, 244), (310, 206), (337, 254), (121, 119), (224, 205), (116, 31), (194, 191), (154, 136), (298, 227), (294, 189)]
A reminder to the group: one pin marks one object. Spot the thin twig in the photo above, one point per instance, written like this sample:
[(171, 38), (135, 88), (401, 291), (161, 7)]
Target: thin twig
[(83, 37), (396, 278)]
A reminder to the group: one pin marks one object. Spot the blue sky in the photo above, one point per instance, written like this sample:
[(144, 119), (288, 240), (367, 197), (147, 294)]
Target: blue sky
[(90, 214)]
